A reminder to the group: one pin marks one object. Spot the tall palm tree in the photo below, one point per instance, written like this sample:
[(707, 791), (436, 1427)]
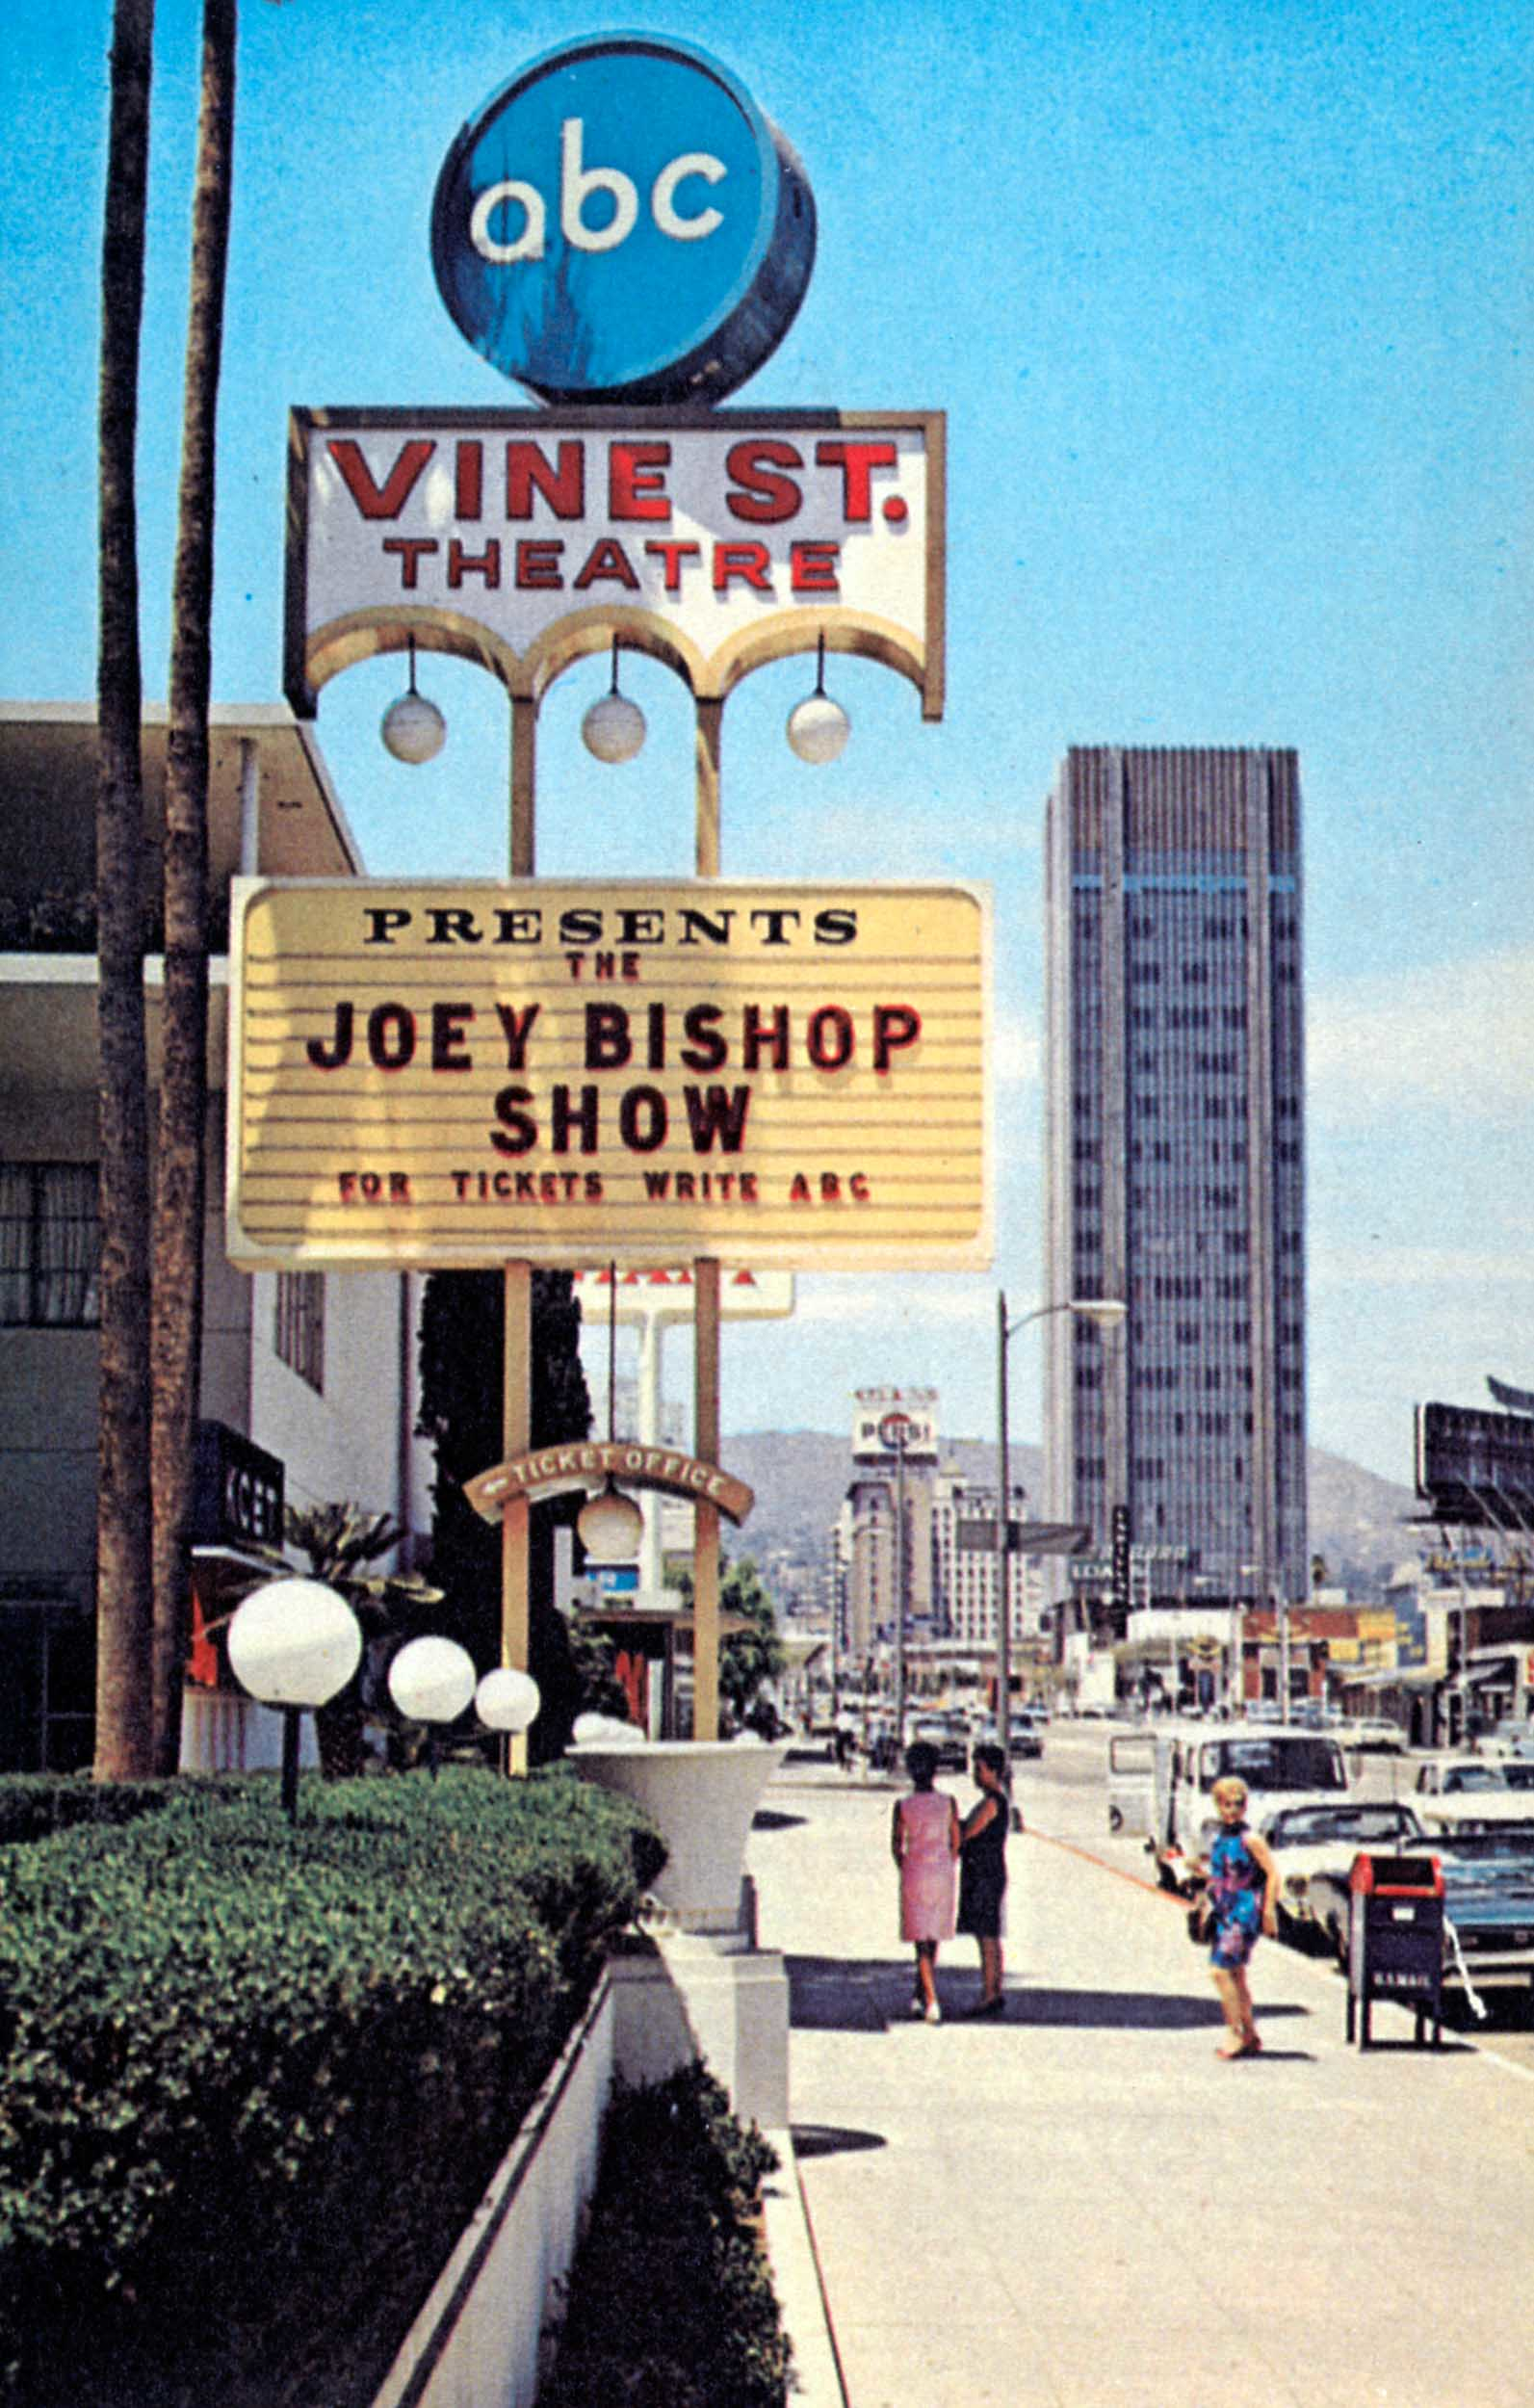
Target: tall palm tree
[(181, 1181), (123, 1574)]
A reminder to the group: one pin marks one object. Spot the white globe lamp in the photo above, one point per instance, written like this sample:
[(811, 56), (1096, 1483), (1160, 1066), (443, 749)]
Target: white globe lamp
[(432, 1680), (613, 729), (413, 729), (507, 1700), (818, 728), (611, 1527), (294, 1643)]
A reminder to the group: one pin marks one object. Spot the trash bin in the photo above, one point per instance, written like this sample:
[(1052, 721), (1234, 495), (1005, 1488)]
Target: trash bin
[(1396, 1940)]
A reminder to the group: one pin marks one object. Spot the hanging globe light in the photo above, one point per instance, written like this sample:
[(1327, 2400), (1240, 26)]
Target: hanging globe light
[(413, 729), (610, 1525), (817, 727), (613, 728)]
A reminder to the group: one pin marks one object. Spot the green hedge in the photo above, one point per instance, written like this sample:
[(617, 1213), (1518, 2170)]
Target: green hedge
[(670, 2302), (255, 2076)]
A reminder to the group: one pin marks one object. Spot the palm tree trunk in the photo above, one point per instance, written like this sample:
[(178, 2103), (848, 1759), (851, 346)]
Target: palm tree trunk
[(181, 1178), (124, 1577)]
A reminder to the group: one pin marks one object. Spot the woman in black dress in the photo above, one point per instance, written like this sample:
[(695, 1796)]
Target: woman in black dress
[(982, 1872)]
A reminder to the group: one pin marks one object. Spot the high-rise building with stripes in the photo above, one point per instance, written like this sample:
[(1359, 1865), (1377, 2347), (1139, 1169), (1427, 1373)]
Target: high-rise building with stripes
[(1176, 1164)]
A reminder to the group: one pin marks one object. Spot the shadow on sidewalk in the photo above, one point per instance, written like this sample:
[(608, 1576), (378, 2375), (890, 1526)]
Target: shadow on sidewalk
[(850, 1994)]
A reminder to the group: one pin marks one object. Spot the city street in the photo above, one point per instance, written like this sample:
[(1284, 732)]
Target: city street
[(1078, 2205)]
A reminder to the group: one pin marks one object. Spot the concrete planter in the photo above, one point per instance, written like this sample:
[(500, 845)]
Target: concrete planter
[(701, 1794)]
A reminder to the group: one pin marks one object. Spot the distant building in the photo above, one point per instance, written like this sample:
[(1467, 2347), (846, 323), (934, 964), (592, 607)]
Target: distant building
[(951, 1591), (1175, 1171)]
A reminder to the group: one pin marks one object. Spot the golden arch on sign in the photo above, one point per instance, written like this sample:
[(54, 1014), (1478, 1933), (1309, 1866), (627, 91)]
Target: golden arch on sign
[(343, 643)]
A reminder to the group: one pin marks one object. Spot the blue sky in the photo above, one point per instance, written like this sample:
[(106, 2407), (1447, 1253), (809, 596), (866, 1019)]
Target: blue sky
[(1229, 309)]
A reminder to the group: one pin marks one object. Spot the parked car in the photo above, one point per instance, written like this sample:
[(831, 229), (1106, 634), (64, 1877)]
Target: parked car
[(1373, 1734), (948, 1735), (1448, 1789), (1024, 1739), (1513, 1735), (1487, 1905), (1131, 1781), (1312, 1843)]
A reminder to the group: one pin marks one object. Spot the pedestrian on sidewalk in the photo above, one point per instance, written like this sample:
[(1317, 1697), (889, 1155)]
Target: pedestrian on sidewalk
[(1242, 1898), (982, 1872), (925, 1840)]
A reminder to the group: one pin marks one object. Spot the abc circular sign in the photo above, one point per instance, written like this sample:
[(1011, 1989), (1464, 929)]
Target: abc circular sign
[(621, 223)]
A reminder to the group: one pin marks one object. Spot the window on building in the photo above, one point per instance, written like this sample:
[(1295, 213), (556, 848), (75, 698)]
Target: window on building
[(50, 1245), (299, 1335)]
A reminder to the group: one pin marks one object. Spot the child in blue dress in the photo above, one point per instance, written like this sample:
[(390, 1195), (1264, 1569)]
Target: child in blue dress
[(1242, 1898)]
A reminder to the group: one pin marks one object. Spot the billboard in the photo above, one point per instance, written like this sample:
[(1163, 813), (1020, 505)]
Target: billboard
[(781, 1076), (520, 539), (1475, 1467), (665, 1293)]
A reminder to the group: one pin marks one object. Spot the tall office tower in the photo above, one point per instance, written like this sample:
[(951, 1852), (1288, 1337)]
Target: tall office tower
[(1175, 1165)]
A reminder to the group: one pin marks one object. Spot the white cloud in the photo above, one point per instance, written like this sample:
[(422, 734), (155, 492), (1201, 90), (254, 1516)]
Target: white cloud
[(1016, 1051), (1449, 1039)]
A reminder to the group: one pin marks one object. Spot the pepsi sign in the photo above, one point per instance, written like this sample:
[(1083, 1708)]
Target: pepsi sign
[(621, 224)]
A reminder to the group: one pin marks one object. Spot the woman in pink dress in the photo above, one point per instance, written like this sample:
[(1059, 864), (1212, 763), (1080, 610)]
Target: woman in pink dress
[(924, 1838)]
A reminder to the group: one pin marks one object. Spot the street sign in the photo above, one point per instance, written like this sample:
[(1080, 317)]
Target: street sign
[(1122, 1559), (1023, 1538)]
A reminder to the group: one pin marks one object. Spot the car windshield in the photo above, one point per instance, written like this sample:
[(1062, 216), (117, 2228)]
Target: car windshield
[(1474, 1777), (1306, 1827), (1273, 1764)]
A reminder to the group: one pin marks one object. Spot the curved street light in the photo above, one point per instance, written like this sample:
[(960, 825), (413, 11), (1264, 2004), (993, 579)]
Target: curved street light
[(1106, 1313)]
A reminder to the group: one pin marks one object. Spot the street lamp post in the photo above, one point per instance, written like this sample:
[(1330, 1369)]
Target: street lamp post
[(1106, 1312)]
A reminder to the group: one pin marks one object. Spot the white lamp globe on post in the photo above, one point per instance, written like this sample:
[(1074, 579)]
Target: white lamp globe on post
[(508, 1703), (294, 1644), (432, 1680)]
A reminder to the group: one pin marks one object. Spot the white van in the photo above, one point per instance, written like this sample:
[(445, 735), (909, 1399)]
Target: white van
[(1280, 1763), (1132, 1782)]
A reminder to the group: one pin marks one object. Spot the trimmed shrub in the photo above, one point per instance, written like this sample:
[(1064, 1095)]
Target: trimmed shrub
[(255, 2076), (670, 2302)]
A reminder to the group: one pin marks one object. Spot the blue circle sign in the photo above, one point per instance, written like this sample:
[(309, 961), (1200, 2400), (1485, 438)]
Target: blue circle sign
[(621, 223)]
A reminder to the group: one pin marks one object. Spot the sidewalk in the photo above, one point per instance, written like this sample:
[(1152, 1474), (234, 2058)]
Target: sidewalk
[(1078, 2205)]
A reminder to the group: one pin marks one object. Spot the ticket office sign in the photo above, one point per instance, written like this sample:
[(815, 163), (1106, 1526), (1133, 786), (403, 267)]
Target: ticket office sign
[(487, 530), (447, 1075)]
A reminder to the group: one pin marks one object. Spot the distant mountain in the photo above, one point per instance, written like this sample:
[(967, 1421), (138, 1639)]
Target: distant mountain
[(1358, 1521)]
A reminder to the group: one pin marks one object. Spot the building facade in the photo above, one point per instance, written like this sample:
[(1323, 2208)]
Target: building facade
[(309, 1378), (1175, 1164)]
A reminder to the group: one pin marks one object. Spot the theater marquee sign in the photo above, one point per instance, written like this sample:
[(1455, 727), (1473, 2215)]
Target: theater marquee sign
[(512, 536), (449, 1075)]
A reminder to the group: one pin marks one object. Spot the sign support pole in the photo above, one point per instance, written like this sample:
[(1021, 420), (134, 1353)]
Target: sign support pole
[(706, 1304), (516, 1351), (706, 1523), (516, 1437), (524, 725)]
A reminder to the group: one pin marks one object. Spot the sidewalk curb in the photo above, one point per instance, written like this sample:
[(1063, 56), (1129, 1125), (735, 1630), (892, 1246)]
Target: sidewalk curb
[(816, 2379)]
